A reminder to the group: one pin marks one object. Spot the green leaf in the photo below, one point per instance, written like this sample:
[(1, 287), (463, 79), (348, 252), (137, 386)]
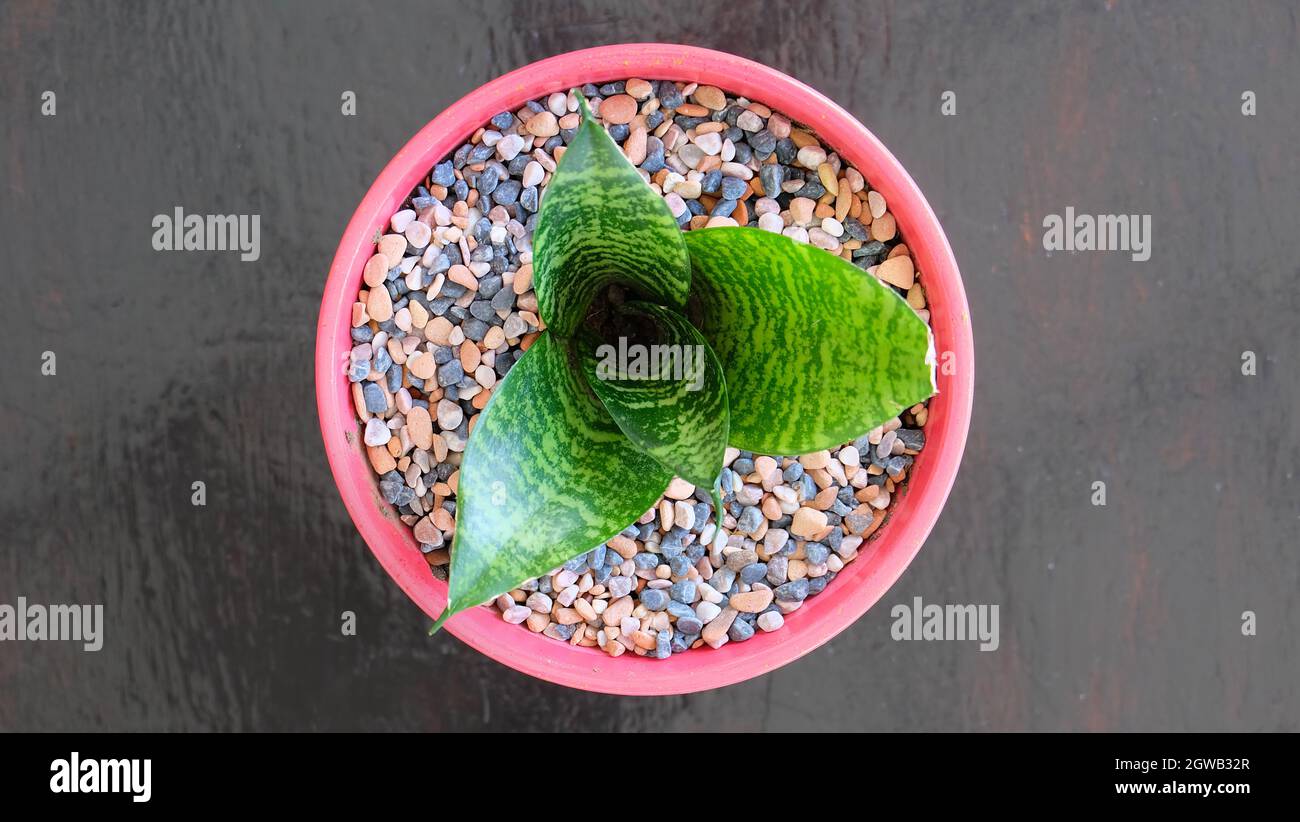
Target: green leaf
[(816, 351), (601, 224), (672, 399), (546, 476)]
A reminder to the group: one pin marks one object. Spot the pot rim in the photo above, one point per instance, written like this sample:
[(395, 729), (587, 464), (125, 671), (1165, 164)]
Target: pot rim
[(862, 582)]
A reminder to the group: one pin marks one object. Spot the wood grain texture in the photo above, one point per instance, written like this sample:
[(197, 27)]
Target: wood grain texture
[(181, 367)]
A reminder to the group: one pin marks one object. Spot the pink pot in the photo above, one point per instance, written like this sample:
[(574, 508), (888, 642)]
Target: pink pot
[(861, 583)]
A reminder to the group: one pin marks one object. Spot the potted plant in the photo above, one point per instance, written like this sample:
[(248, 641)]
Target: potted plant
[(487, 516)]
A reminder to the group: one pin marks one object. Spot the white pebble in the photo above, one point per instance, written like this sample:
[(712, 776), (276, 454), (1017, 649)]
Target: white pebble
[(533, 174), (771, 222), (565, 578), (516, 614), (401, 220), (796, 233), (744, 172), (709, 594), (377, 433), (749, 121), (821, 239), (710, 143), (810, 157), (684, 514), (539, 602), (509, 147)]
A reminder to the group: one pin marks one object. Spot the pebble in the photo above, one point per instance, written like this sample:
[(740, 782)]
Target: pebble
[(679, 489), (420, 427), (448, 305), (682, 591), (619, 109), (376, 432), (376, 402), (751, 602), (898, 271), (543, 124), (749, 121), (810, 157), (801, 210), (711, 97), (516, 614), (706, 611), (740, 630), (715, 632), (808, 522), (639, 89), (710, 144), (654, 599), (795, 591)]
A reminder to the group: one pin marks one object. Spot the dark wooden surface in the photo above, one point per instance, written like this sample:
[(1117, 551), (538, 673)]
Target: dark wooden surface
[(181, 367)]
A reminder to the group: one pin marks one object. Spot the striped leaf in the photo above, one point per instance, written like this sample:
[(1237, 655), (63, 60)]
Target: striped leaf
[(665, 390), (601, 224), (815, 351), (546, 476)]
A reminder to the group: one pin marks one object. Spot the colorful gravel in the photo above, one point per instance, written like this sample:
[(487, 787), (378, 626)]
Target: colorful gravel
[(447, 306)]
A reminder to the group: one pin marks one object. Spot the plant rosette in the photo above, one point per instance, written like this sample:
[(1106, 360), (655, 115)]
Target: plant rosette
[(740, 338)]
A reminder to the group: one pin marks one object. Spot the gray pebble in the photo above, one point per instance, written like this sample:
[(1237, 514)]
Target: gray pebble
[(358, 370), (376, 403), (619, 587), (507, 193), (772, 176), (816, 553), (684, 591), (690, 625), (443, 174), (795, 591), (753, 572), (733, 188), (450, 373), (777, 568), (654, 599), (740, 630), (645, 560), (750, 520)]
